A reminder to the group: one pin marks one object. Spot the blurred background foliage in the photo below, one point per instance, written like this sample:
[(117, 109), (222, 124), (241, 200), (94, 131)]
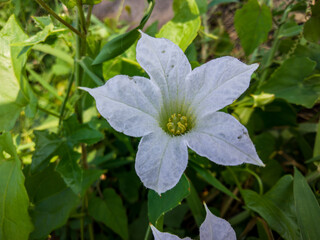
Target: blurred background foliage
[(66, 174)]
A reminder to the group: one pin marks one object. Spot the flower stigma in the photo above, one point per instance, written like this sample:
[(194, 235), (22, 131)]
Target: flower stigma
[(177, 124)]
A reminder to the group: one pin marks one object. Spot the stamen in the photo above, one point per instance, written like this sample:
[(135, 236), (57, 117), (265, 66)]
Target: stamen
[(177, 124)]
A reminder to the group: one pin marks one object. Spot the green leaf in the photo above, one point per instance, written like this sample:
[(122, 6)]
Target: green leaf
[(159, 205), (52, 201), (80, 133), (78, 179), (129, 185), (276, 207), (311, 29), (15, 222), (54, 52), (202, 6), (120, 44), (290, 29), (86, 64), (253, 23), (310, 50), (110, 211), (184, 26), (208, 177), (15, 91), (274, 216), (287, 82), (47, 145), (307, 207), (196, 206), (39, 37)]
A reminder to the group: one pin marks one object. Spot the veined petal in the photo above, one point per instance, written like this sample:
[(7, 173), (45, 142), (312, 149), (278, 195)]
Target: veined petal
[(165, 236), (222, 139), (215, 228), (161, 160), (217, 84), (166, 65), (131, 105)]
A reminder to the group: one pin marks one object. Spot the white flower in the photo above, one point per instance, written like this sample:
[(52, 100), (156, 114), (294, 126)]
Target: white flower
[(177, 108), (213, 228)]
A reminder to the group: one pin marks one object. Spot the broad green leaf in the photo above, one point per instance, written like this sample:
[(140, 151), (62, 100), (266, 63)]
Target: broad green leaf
[(307, 208), (195, 205), (129, 185), (208, 177), (310, 50), (311, 30), (80, 133), (202, 6), (15, 92), (47, 145), (120, 44), (159, 205), (253, 23), (287, 82), (78, 179), (15, 222), (52, 201), (42, 22), (274, 216), (110, 211), (281, 194), (184, 26)]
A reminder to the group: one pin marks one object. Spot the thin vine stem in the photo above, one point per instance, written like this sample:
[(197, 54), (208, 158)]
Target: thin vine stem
[(56, 16), (63, 107)]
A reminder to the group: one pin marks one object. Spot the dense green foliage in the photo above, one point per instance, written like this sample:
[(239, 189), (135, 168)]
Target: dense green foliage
[(65, 172)]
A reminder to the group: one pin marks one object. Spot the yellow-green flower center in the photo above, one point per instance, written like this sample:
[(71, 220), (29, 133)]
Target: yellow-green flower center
[(177, 124)]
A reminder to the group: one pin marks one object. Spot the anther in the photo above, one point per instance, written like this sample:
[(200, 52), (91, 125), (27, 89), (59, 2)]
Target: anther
[(177, 124)]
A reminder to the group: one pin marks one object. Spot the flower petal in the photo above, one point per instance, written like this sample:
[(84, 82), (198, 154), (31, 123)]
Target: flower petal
[(165, 236), (217, 84), (223, 140), (161, 160), (131, 105), (166, 65), (215, 228)]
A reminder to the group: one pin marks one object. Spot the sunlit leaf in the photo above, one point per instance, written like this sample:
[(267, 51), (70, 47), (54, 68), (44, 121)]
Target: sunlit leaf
[(15, 91), (184, 26), (15, 222)]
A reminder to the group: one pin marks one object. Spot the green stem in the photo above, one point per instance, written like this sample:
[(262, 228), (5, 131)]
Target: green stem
[(81, 17), (48, 112), (63, 107), (88, 20), (256, 176), (235, 178), (56, 16), (146, 237)]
